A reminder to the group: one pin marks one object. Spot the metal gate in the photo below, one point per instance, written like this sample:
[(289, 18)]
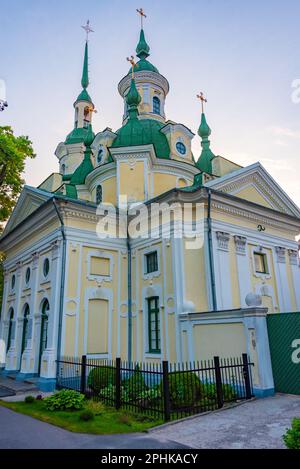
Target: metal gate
[(284, 339)]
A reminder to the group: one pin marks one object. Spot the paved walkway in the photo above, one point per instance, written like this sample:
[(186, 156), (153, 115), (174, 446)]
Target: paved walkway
[(19, 431), (256, 424)]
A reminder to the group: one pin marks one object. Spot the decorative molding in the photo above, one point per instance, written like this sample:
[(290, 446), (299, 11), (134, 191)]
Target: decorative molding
[(240, 244), (280, 253), (223, 240), (293, 256)]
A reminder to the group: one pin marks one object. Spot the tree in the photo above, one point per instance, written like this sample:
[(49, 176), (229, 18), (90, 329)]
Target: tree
[(13, 153)]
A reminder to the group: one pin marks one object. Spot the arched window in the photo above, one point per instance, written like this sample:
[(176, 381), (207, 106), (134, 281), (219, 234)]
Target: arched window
[(25, 327), (156, 105), (63, 169), (44, 329), (86, 119), (46, 267), (27, 275), (100, 154), (99, 194), (10, 328)]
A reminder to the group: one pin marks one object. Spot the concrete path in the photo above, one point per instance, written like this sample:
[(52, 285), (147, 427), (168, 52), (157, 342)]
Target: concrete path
[(19, 431), (255, 424)]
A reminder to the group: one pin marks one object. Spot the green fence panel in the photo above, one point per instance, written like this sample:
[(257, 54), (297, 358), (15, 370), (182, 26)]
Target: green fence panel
[(284, 338)]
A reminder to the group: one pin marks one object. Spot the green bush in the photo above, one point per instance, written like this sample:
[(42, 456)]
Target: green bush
[(66, 399), (101, 377), (95, 406), (292, 436), (86, 415), (185, 389), (135, 384), (29, 399), (209, 390), (109, 393)]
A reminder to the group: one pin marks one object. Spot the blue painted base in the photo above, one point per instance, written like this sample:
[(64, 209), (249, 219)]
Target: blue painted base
[(24, 376), (5, 372), (263, 392), (46, 384)]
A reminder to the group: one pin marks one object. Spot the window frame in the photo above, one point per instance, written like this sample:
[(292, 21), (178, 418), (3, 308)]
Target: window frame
[(46, 260), (263, 256), (155, 262), (156, 105), (99, 186), (27, 276), (182, 145), (156, 312)]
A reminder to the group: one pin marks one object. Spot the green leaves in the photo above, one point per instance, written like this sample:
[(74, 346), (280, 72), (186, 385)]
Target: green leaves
[(66, 399), (13, 153), (292, 436)]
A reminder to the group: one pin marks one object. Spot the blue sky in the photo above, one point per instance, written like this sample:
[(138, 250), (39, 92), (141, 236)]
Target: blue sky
[(243, 55)]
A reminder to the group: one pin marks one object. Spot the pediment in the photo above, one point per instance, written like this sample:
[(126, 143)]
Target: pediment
[(29, 201), (256, 185)]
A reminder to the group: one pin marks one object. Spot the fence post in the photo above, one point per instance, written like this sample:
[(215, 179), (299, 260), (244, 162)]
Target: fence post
[(83, 375), (118, 383), (166, 390), (219, 389), (246, 373)]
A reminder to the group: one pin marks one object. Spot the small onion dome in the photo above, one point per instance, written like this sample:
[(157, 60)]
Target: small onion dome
[(204, 130), (89, 137), (133, 99)]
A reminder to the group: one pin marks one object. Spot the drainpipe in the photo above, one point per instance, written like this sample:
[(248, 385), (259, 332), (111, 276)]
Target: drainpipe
[(62, 279), (129, 274), (210, 252)]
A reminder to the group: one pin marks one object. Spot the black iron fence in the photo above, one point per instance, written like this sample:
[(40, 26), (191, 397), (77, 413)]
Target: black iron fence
[(161, 390)]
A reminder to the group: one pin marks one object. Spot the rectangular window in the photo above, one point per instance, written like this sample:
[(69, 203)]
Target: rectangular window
[(151, 262), (153, 325), (261, 264)]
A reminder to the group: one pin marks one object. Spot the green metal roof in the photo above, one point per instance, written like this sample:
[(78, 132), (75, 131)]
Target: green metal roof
[(77, 135), (143, 132), (86, 166), (142, 51), (197, 183)]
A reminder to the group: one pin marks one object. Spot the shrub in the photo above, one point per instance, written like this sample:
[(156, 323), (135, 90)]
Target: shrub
[(101, 377), (66, 399), (109, 393), (39, 397), (96, 407), (185, 389), (149, 397), (29, 399), (209, 390), (86, 415), (292, 436), (135, 384)]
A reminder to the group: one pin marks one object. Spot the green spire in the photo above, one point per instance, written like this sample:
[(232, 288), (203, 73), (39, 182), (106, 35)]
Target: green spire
[(84, 96), (133, 99), (142, 49), (204, 163), (85, 71)]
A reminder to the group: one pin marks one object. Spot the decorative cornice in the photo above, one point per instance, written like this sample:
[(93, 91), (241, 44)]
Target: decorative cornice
[(144, 77)]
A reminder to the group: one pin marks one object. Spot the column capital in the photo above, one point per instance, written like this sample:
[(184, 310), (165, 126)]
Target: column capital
[(240, 244), (293, 256), (280, 252), (223, 240)]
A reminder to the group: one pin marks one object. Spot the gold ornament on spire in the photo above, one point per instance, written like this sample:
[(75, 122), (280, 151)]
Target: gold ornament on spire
[(132, 61), (203, 100), (87, 29), (142, 13)]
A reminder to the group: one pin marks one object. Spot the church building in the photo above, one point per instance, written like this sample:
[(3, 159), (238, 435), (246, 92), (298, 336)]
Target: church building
[(69, 291)]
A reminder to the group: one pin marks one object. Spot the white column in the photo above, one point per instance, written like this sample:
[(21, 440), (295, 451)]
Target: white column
[(28, 358), (282, 281), (4, 323), (13, 359), (222, 270), (179, 287), (243, 268), (50, 354), (295, 267)]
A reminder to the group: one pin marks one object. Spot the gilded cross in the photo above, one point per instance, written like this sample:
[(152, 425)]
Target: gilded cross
[(142, 13), (87, 29), (132, 61), (202, 99)]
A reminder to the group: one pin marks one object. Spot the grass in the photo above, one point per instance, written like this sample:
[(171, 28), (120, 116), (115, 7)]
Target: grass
[(110, 421)]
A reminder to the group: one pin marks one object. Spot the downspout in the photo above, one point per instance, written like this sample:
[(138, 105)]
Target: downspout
[(210, 253), (129, 275), (62, 279)]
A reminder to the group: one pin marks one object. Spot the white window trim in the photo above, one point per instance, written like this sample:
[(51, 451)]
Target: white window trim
[(148, 354), (101, 255), (261, 250), (149, 250)]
